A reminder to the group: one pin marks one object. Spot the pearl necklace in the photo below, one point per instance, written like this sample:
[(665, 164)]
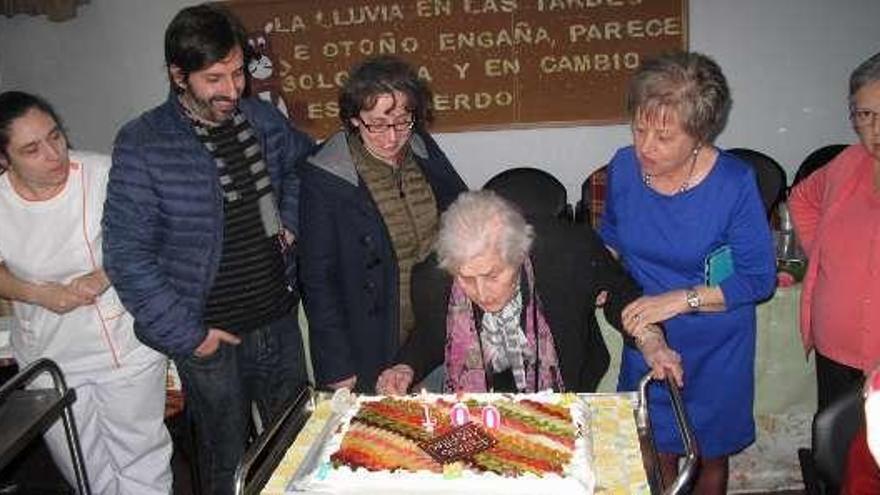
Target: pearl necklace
[(648, 178)]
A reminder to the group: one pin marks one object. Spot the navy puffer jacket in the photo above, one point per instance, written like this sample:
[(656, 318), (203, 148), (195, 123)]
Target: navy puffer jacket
[(349, 269), (163, 217)]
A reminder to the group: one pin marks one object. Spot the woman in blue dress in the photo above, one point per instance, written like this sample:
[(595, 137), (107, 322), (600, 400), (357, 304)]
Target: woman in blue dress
[(675, 201)]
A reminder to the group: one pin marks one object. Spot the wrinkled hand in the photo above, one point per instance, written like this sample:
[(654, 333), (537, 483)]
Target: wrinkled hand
[(395, 380), (289, 238), (652, 309), (348, 383), (91, 284), (212, 341), (664, 361), (60, 298)]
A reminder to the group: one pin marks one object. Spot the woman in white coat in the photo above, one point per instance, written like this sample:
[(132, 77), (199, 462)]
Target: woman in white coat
[(51, 201)]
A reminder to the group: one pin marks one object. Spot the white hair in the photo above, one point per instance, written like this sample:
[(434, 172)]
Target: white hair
[(479, 221)]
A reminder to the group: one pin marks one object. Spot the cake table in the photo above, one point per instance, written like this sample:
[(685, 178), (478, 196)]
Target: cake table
[(623, 457)]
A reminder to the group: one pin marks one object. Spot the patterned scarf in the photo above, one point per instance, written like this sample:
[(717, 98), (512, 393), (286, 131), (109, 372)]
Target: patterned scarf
[(504, 343), (466, 368)]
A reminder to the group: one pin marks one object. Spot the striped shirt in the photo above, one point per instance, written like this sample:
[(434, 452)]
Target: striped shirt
[(250, 289)]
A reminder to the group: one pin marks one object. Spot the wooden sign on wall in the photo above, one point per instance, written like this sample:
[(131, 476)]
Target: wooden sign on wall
[(490, 63)]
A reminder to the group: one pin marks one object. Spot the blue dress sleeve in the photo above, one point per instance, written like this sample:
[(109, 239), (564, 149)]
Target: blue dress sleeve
[(748, 235)]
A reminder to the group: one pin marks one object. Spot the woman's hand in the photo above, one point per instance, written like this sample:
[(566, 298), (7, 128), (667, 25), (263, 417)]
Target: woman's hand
[(664, 362), (601, 298), (395, 380), (91, 284), (59, 298), (348, 383), (646, 310)]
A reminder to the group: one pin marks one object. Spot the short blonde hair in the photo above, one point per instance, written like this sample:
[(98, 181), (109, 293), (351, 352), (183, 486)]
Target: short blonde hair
[(467, 229), (688, 83)]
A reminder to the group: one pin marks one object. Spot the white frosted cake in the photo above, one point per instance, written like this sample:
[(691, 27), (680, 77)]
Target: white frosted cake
[(443, 444)]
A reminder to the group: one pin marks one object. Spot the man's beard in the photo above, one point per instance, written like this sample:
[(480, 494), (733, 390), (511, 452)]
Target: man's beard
[(204, 109)]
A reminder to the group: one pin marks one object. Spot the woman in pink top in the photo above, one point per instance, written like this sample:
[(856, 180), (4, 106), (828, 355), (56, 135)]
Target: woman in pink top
[(836, 213)]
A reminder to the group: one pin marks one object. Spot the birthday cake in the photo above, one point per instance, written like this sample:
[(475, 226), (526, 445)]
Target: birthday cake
[(445, 444)]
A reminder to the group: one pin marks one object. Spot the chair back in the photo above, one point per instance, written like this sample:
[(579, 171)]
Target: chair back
[(770, 175), (833, 429), (816, 160), (582, 207), (591, 206), (536, 192)]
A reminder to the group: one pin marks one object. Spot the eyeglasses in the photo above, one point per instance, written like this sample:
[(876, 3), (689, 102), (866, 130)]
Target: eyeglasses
[(863, 117), (383, 128)]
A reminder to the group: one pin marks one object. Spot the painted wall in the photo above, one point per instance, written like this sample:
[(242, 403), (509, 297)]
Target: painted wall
[(787, 61)]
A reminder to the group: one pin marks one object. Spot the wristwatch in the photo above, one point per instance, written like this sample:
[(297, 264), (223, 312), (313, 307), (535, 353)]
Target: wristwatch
[(693, 299)]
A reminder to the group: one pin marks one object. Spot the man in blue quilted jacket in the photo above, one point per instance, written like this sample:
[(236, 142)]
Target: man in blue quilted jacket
[(199, 227)]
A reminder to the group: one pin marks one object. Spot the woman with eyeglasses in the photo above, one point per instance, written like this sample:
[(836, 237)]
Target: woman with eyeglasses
[(369, 208), (836, 213)]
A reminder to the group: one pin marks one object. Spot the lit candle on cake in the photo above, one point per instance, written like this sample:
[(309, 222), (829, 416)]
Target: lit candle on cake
[(491, 417), (429, 422)]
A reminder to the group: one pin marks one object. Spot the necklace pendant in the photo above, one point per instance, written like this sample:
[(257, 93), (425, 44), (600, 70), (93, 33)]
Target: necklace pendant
[(684, 187), (647, 179)]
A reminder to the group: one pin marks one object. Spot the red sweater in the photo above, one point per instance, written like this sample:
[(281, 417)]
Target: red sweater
[(836, 213)]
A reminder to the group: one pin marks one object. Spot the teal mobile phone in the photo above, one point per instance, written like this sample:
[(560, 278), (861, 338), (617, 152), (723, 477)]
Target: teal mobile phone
[(718, 265)]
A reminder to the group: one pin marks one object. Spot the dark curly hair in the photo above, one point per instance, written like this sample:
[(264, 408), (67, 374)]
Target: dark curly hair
[(380, 75)]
